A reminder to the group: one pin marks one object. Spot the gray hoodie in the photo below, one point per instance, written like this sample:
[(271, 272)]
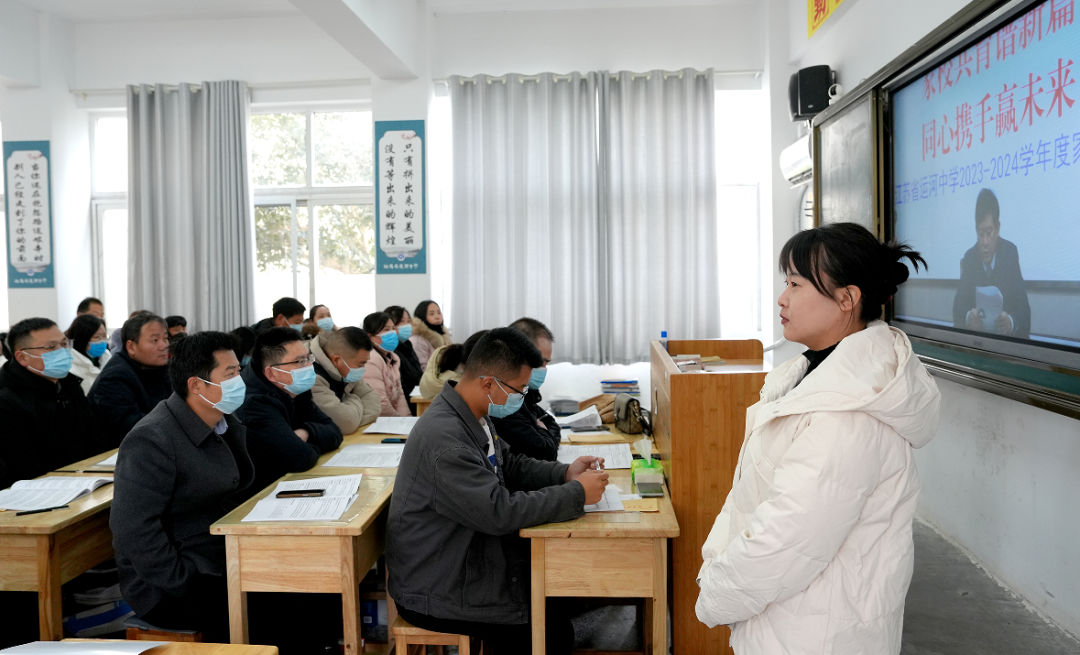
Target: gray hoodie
[(452, 544)]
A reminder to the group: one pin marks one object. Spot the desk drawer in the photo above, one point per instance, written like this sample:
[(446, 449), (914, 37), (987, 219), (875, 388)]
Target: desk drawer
[(620, 568)]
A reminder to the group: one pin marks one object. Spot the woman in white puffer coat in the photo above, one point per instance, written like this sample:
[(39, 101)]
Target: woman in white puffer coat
[(812, 552)]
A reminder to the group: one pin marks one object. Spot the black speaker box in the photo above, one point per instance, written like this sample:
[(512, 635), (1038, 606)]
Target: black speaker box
[(808, 92)]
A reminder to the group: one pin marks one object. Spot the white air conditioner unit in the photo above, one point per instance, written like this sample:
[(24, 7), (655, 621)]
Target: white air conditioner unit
[(796, 162)]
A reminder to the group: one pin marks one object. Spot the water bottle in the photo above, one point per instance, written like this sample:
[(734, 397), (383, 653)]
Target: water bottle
[(663, 339)]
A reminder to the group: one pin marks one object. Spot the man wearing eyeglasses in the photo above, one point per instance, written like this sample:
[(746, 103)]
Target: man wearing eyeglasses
[(286, 431), (455, 559), (46, 421)]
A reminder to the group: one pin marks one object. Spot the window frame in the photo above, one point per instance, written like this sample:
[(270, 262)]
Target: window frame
[(99, 203)]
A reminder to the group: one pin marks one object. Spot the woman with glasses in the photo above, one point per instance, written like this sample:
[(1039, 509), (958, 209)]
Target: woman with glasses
[(383, 370), (89, 348)]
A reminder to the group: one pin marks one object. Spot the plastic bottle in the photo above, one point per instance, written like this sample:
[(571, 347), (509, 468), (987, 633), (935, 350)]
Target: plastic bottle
[(663, 339)]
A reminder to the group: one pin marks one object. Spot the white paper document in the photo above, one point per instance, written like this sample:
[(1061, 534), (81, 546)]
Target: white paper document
[(616, 455), (83, 648), (586, 418), (108, 461), (610, 502), (339, 491), (989, 303), (369, 455), (43, 493), (402, 425)]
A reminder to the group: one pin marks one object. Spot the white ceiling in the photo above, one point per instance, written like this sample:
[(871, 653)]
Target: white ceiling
[(112, 11), (478, 6)]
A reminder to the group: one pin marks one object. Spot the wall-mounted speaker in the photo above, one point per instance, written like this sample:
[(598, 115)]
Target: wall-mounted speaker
[(808, 92)]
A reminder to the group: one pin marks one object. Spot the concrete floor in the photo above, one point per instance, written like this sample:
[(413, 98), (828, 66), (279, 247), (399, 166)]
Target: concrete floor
[(953, 608)]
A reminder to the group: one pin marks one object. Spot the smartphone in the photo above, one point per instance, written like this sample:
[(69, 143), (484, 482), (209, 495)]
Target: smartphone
[(650, 489), (301, 493), (393, 440), (597, 428)]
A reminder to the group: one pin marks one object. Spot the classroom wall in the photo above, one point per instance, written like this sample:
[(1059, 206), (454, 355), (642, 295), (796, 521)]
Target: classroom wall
[(1000, 477)]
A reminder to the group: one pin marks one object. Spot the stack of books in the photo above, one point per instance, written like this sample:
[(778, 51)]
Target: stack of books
[(621, 386)]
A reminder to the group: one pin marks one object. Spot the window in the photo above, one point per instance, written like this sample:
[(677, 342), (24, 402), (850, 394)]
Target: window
[(741, 168), (3, 248), (109, 180), (314, 211)]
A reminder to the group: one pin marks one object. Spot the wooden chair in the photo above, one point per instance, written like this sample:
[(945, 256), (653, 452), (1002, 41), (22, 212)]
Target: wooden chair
[(407, 636), (140, 630)]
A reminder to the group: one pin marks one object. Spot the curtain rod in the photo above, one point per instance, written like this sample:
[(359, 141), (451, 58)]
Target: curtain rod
[(314, 84), (633, 76)]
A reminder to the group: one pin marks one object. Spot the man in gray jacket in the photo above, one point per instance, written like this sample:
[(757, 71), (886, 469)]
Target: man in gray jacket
[(456, 561), (180, 469), (340, 391)]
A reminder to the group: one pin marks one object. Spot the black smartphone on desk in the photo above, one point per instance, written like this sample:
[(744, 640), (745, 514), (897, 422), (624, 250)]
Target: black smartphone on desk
[(393, 440), (301, 493), (590, 428)]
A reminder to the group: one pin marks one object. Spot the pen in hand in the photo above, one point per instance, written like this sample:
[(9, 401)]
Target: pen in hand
[(39, 511)]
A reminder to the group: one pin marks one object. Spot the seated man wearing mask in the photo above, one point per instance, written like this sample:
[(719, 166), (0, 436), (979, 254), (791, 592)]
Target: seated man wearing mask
[(179, 470), (530, 430), (47, 422), (287, 312), (340, 392), (286, 431), (135, 380)]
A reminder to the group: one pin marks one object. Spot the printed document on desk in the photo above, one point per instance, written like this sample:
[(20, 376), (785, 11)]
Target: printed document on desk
[(43, 493), (368, 455), (402, 425), (610, 502), (586, 418), (616, 455), (339, 491)]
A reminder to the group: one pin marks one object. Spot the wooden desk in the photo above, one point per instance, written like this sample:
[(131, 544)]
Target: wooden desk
[(421, 404), (90, 465), (598, 555), (191, 648), (308, 557), (40, 552)]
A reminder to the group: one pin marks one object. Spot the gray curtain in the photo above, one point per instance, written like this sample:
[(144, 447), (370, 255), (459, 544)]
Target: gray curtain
[(190, 238), (658, 211), (525, 215)]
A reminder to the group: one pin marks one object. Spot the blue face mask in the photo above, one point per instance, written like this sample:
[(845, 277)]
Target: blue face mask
[(537, 377), (97, 348), (299, 327), (325, 324), (233, 391), (389, 341), (404, 332), (354, 374), (246, 361), (513, 404), (302, 380), (57, 362)]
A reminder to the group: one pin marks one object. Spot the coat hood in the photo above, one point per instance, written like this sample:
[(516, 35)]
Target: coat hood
[(873, 371)]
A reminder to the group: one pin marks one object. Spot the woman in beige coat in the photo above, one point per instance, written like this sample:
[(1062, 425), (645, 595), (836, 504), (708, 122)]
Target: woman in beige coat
[(428, 333), (383, 371)]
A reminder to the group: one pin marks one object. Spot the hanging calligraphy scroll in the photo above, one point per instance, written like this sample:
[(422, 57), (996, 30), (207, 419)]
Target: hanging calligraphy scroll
[(400, 197), (817, 12), (27, 190)]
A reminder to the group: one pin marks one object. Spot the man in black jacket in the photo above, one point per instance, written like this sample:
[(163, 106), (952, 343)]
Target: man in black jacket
[(455, 559), (532, 431), (992, 262), (135, 380), (47, 422), (287, 432), (288, 312), (181, 468)]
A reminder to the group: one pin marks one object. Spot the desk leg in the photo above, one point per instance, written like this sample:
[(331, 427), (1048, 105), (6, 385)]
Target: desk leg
[(659, 598), (50, 614), (350, 597), (238, 619), (539, 598)]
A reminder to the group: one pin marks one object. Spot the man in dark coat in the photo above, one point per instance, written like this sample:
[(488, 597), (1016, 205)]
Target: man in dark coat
[(47, 422), (182, 467), (135, 380), (992, 262), (455, 559), (288, 312), (532, 431), (287, 432)]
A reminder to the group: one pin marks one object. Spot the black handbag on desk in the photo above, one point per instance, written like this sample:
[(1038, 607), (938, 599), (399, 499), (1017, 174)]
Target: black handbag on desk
[(629, 417)]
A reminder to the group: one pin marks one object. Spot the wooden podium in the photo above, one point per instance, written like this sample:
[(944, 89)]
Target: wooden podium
[(699, 420)]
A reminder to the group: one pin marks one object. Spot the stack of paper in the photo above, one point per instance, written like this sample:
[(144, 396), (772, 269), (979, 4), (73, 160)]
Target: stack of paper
[(368, 455), (108, 462), (339, 491), (611, 501), (392, 425), (586, 418), (616, 455), (45, 493)]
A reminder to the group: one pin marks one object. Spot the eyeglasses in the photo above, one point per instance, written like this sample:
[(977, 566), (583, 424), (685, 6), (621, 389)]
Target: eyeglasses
[(524, 390), (50, 347), (306, 360)]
